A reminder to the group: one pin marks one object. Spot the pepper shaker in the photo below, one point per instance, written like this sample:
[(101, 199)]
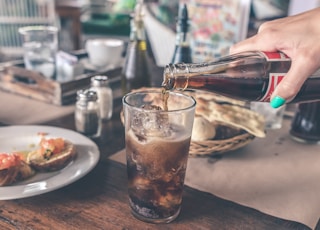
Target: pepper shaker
[(100, 85), (87, 113)]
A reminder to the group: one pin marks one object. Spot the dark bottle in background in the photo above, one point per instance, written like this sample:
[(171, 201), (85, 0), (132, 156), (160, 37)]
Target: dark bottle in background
[(305, 126), (182, 52), (136, 72), (250, 76)]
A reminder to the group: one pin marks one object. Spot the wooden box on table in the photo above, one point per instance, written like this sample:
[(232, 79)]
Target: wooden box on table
[(16, 79)]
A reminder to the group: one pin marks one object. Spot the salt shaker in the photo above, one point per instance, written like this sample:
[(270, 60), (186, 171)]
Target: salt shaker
[(87, 113), (100, 85)]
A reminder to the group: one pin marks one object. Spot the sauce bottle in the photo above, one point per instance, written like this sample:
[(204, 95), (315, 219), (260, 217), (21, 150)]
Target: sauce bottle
[(182, 52), (136, 73)]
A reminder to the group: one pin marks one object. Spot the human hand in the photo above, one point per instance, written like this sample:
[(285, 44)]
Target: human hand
[(298, 37)]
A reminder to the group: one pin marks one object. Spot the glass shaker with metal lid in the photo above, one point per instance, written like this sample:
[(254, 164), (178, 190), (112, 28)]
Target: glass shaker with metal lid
[(100, 84), (87, 113)]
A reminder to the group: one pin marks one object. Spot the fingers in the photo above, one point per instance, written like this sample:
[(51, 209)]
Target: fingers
[(291, 84), (245, 45), (270, 37), (263, 42)]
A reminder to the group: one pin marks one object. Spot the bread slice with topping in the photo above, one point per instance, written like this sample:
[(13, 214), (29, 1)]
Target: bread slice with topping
[(53, 154), (13, 169)]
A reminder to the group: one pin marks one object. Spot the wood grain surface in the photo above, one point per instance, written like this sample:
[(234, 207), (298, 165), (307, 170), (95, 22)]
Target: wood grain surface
[(99, 200)]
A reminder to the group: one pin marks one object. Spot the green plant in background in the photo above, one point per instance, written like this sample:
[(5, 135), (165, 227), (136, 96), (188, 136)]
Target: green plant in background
[(166, 11), (113, 22), (121, 12), (122, 6)]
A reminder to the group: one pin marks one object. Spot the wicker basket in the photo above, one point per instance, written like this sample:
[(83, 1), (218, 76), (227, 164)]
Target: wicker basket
[(216, 147)]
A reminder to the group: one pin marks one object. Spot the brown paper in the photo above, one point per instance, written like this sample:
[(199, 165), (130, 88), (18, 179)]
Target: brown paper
[(274, 175)]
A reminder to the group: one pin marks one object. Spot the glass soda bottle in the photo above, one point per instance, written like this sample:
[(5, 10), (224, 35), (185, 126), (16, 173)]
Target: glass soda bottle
[(250, 76), (136, 72)]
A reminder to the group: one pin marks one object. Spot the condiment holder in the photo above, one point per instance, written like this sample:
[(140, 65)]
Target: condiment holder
[(87, 113)]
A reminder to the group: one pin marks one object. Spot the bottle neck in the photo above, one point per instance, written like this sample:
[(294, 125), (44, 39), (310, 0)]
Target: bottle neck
[(182, 37), (137, 32), (137, 35)]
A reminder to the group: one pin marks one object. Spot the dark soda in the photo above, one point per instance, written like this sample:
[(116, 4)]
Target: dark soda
[(248, 89), (156, 171)]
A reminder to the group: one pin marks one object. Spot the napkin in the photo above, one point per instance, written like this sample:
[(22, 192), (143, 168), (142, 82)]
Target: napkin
[(274, 175)]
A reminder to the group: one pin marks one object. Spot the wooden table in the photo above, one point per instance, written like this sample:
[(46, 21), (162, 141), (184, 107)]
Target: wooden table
[(99, 200)]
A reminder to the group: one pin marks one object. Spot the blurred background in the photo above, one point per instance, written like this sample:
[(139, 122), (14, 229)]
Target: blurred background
[(215, 25)]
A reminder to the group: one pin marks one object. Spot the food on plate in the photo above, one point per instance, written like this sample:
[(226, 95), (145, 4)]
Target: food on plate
[(52, 154), (13, 168)]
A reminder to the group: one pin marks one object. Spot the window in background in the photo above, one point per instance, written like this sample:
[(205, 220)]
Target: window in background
[(19, 13)]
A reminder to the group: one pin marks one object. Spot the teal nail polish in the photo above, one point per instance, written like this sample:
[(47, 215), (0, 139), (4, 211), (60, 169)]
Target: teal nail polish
[(277, 101)]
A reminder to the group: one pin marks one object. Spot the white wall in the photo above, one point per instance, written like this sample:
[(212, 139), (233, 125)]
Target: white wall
[(298, 6)]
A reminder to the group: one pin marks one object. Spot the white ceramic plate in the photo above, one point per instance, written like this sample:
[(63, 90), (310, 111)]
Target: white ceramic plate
[(15, 138)]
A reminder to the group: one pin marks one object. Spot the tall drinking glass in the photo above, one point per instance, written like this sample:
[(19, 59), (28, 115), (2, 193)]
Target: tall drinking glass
[(40, 45), (157, 147), (305, 126)]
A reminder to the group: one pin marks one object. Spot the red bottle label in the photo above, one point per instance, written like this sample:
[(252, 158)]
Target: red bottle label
[(276, 56), (274, 80)]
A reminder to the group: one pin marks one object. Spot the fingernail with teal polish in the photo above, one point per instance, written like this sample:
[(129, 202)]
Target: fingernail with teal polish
[(277, 101)]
